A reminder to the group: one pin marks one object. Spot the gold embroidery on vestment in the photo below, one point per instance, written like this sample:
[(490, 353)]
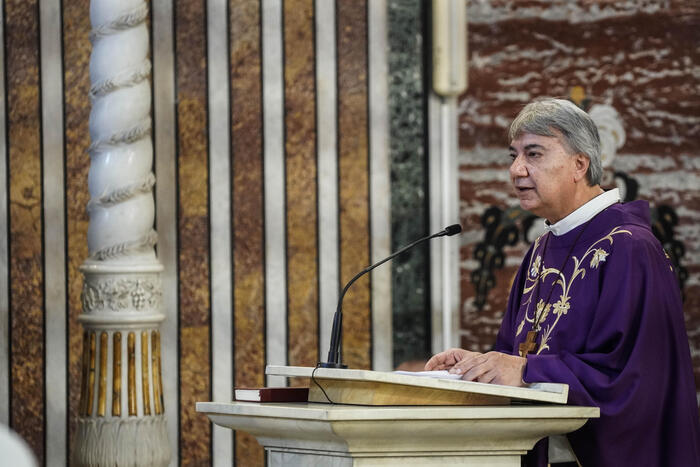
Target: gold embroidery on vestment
[(535, 267), (599, 256), (541, 313), (563, 305)]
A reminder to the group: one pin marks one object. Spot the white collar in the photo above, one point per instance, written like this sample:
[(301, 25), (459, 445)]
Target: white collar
[(584, 213)]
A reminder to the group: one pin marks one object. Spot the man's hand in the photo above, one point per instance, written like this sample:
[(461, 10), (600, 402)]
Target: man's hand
[(447, 359), (491, 367)]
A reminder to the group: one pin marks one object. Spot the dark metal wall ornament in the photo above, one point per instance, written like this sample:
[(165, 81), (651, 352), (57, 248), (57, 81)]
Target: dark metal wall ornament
[(663, 221), (502, 228), (628, 186)]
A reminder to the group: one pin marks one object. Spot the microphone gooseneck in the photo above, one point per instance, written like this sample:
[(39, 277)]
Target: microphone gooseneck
[(334, 351), (450, 230)]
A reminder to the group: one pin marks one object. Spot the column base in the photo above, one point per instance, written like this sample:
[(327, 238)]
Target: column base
[(133, 441)]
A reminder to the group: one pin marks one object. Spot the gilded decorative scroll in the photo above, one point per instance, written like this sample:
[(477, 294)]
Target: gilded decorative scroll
[(117, 374), (91, 374), (131, 351), (85, 368), (102, 387), (145, 390), (155, 368)]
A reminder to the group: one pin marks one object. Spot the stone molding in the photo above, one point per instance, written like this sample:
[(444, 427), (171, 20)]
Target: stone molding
[(133, 293), (133, 441)]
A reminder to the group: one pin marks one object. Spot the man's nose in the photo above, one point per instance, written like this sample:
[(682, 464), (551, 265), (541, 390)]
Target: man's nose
[(517, 167)]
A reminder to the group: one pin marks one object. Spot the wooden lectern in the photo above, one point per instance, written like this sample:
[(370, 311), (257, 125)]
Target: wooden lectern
[(380, 418)]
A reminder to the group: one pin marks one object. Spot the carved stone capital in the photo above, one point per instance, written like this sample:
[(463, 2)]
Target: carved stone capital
[(138, 293)]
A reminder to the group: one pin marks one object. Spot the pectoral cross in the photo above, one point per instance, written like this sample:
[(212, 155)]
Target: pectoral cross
[(529, 345)]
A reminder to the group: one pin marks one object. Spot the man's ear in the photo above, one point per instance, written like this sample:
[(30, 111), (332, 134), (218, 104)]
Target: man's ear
[(581, 164)]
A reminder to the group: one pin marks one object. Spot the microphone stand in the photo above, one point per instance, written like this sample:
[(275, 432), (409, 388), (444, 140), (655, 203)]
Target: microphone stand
[(334, 352)]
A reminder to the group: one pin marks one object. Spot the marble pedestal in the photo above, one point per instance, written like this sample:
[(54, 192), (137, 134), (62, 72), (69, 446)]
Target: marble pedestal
[(311, 434)]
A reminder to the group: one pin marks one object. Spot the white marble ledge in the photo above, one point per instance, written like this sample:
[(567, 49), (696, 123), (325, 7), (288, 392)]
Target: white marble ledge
[(397, 436), (327, 412)]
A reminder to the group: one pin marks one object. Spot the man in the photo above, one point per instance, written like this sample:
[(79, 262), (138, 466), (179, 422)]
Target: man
[(595, 304)]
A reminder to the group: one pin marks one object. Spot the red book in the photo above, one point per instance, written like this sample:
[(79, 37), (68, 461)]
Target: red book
[(272, 394)]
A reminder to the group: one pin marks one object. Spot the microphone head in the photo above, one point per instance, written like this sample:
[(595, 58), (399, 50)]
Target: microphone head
[(453, 229)]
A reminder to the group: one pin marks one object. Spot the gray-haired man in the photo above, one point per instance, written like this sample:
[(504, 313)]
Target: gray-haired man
[(595, 304)]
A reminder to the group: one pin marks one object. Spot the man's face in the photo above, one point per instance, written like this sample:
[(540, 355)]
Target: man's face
[(542, 174)]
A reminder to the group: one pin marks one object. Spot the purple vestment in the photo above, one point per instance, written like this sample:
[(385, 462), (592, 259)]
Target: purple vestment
[(612, 330)]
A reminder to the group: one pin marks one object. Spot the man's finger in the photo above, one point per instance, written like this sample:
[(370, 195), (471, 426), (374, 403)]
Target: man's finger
[(477, 370), (441, 361), (434, 362), (468, 362), (438, 361), (489, 377)]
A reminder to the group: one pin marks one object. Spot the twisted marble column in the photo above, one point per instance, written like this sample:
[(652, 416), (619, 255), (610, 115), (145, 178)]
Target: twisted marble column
[(121, 414)]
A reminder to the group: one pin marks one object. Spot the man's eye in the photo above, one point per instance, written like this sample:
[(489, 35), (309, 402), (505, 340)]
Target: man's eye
[(533, 154), (512, 155)]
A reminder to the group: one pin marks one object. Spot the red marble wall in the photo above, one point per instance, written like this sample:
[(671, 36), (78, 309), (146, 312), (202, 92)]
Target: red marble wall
[(76, 56), (193, 230), (247, 204), (300, 166), (27, 384), (26, 318), (353, 178), (640, 58)]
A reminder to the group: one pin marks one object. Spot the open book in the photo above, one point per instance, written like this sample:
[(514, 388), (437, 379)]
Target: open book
[(444, 374), (439, 374), (366, 387)]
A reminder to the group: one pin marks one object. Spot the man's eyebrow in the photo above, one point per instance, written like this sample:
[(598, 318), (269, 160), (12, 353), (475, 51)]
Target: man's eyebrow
[(528, 147)]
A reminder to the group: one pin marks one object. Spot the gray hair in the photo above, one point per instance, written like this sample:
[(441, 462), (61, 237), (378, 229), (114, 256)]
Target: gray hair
[(577, 131)]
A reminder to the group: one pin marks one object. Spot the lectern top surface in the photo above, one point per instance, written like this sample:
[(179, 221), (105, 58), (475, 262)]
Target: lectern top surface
[(537, 392), (315, 411)]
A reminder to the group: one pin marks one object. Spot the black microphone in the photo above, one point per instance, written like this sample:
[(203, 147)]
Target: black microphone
[(334, 352)]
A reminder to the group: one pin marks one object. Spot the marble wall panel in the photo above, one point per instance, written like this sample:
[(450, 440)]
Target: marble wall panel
[(248, 238), (637, 62), (409, 209), (353, 178), (193, 228), (27, 406), (632, 56), (76, 57), (191, 353), (301, 185)]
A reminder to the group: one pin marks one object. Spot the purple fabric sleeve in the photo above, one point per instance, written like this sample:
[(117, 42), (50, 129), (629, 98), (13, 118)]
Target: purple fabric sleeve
[(635, 346)]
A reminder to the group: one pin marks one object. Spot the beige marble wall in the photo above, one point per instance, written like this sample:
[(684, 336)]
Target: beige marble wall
[(633, 57), (187, 345), (248, 237), (301, 175), (76, 57), (353, 178), (193, 229), (25, 223)]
